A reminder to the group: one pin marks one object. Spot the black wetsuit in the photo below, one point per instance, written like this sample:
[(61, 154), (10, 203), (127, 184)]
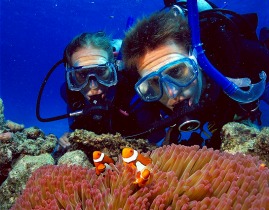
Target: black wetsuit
[(125, 113), (234, 51)]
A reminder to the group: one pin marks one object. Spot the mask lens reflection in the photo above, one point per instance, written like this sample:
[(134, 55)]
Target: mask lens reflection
[(81, 76), (181, 73), (150, 89), (104, 73), (171, 90)]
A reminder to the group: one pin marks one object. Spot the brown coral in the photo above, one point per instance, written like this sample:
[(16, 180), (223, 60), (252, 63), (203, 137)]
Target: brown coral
[(241, 138), (14, 127), (183, 178), (4, 137), (110, 144), (34, 133)]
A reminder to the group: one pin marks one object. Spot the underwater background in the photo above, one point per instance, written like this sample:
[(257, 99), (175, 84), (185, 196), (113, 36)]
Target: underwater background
[(35, 33)]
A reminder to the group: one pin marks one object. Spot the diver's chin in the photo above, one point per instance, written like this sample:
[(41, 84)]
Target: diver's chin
[(172, 106)]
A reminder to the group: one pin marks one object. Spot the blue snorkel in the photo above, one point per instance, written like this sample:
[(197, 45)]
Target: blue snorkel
[(231, 89)]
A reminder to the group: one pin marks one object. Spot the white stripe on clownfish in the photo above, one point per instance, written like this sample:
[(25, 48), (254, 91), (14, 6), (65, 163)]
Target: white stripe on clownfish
[(132, 158), (99, 159)]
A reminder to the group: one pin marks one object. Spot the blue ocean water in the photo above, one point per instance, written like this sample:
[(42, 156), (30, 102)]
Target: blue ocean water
[(35, 33)]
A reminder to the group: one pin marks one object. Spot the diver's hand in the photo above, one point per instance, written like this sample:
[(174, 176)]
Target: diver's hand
[(63, 141), (61, 146)]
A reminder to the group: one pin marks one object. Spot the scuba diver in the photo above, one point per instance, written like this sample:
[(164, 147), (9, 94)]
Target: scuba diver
[(185, 76), (100, 97), (96, 93), (93, 81)]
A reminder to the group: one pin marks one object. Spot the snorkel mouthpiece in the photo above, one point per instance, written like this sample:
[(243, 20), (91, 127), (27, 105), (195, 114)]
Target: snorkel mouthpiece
[(232, 90), (254, 93)]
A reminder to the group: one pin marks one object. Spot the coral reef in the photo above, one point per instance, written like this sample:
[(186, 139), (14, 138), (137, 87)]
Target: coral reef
[(15, 183), (110, 144), (33, 133), (241, 138), (15, 141), (8, 125), (76, 157), (32, 141), (182, 178), (17, 177), (7, 136), (262, 145), (23, 143), (4, 134), (14, 127), (2, 117)]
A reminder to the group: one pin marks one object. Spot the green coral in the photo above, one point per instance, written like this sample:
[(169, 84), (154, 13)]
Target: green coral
[(237, 137)]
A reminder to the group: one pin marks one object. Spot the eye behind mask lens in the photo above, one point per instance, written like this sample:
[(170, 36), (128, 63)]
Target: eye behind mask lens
[(104, 73), (181, 74), (150, 90)]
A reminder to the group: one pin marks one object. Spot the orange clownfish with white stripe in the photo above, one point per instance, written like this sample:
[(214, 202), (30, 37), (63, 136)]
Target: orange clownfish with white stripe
[(142, 177), (101, 162), (136, 160), (262, 166)]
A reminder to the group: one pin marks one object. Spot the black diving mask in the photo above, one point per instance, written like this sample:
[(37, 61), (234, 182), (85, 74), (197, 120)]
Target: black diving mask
[(97, 108), (78, 76)]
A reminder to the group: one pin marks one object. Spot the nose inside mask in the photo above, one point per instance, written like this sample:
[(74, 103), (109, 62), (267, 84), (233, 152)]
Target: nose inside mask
[(93, 83), (171, 90)]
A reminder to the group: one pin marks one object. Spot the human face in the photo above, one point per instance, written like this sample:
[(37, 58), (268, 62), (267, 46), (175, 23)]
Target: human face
[(159, 57), (90, 56)]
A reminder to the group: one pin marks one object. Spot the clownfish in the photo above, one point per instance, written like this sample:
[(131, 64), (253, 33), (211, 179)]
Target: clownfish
[(134, 159), (101, 162), (262, 166), (142, 177), (139, 162)]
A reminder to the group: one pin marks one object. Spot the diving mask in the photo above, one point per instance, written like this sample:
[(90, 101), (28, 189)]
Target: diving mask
[(78, 77), (171, 77)]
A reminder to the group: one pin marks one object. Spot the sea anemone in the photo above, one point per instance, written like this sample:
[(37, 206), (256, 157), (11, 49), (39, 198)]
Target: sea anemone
[(181, 178)]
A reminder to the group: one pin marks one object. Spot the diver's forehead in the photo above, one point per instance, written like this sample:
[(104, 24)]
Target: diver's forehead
[(88, 56), (155, 59)]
